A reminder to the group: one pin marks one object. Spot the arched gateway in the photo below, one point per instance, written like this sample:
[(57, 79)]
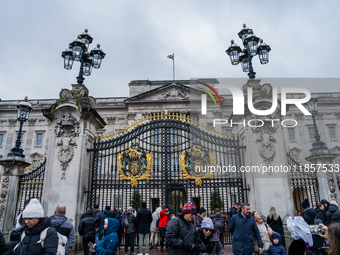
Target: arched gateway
[(166, 159)]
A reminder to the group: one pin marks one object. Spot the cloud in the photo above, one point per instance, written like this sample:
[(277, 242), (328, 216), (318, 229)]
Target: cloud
[(138, 35)]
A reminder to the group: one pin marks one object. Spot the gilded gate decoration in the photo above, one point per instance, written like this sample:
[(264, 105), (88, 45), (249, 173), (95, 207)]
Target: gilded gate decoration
[(135, 164), (196, 164), (166, 159)]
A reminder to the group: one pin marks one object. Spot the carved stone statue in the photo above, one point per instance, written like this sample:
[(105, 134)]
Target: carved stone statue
[(67, 128)]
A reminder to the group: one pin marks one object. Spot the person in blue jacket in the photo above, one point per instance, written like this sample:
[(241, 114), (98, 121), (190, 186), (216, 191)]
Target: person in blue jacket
[(109, 243), (242, 226), (276, 248)]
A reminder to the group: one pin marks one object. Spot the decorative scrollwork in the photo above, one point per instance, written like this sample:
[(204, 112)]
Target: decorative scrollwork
[(196, 163), (135, 164)]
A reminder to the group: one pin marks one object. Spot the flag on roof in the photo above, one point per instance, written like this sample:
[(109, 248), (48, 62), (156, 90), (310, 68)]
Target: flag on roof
[(171, 57)]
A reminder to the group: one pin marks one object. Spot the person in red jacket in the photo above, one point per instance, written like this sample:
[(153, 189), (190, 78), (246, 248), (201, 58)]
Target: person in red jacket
[(163, 221)]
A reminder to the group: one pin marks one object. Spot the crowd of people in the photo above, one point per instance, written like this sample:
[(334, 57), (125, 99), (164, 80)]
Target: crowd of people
[(186, 232)]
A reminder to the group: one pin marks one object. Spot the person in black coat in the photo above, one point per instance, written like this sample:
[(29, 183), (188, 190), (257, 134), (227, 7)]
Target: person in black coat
[(115, 214), (181, 236), (309, 215), (333, 214), (144, 219), (35, 224), (325, 204), (275, 223), (234, 210), (320, 215), (86, 228), (4, 250)]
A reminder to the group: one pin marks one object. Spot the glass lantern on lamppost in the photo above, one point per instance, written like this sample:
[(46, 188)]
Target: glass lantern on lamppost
[(319, 147), (24, 109), (77, 51), (252, 48)]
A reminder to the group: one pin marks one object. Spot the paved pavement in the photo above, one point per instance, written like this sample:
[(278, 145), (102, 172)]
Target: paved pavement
[(227, 251)]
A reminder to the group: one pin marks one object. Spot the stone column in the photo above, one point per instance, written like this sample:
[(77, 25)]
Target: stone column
[(12, 168), (74, 124), (265, 154), (327, 181)]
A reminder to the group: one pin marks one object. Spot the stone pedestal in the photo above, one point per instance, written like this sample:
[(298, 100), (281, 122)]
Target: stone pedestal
[(74, 124), (12, 168), (265, 155), (327, 181)]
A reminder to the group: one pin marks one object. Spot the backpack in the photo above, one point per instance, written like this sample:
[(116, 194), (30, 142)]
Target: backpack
[(125, 221), (62, 241)]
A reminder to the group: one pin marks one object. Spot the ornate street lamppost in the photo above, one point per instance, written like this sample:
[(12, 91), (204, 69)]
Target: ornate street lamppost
[(252, 48), (78, 51), (24, 109), (319, 147)]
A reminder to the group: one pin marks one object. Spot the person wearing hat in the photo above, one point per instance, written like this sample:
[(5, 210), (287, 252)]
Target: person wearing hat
[(181, 236), (333, 214), (208, 235), (200, 216), (220, 223), (30, 242)]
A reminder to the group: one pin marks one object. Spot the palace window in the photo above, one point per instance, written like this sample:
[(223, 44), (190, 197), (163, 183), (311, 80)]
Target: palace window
[(1, 139), (174, 136), (331, 132), (311, 133), (291, 134), (39, 139)]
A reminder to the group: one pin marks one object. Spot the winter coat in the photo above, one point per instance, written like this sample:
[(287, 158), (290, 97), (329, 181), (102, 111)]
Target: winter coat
[(4, 250), (101, 219), (109, 243), (277, 226), (324, 201), (219, 222), (215, 239), (242, 229), (97, 213), (333, 214), (276, 249), (132, 223), (155, 217), (86, 227), (144, 219), (64, 227), (232, 212), (15, 237), (263, 228), (198, 220), (115, 214), (180, 233), (164, 219), (320, 215), (297, 247), (309, 216), (29, 245)]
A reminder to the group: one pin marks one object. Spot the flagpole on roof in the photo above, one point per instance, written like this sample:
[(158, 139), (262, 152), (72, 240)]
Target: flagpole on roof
[(172, 57), (173, 66)]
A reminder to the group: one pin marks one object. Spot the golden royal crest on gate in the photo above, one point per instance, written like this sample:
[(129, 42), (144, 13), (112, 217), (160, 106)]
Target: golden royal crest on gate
[(195, 164), (134, 164)]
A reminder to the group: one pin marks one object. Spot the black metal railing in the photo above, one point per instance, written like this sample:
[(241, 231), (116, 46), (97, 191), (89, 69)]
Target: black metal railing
[(304, 183), (172, 140), (31, 184)]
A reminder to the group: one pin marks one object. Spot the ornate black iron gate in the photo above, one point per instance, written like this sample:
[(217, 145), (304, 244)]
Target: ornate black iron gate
[(167, 159), (31, 183), (304, 184)]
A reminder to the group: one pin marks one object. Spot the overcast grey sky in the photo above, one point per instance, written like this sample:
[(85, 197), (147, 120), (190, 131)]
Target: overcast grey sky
[(137, 36)]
